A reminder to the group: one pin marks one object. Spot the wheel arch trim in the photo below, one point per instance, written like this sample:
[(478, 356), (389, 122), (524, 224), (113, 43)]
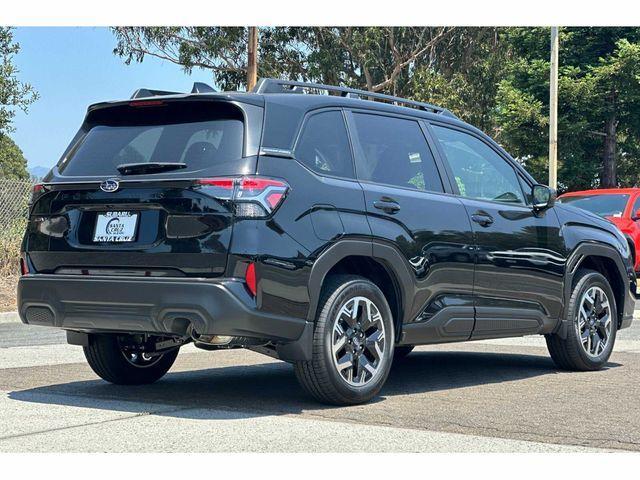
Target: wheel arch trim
[(576, 259), (632, 247), (389, 257)]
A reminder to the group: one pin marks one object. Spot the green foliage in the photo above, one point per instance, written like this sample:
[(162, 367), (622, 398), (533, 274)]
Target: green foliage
[(463, 75), (13, 166), (13, 93), (221, 49), (502, 86), (376, 58), (495, 78), (598, 78), (12, 162)]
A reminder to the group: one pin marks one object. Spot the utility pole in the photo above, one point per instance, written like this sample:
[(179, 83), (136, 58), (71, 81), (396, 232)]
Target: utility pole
[(252, 58), (553, 111)]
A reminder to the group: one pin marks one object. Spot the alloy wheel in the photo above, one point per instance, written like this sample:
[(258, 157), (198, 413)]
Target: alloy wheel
[(358, 341), (594, 322)]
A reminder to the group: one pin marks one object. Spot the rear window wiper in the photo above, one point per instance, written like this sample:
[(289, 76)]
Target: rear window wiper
[(149, 167)]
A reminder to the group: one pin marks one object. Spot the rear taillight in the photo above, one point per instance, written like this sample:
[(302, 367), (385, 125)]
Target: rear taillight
[(253, 196), (24, 267), (37, 190)]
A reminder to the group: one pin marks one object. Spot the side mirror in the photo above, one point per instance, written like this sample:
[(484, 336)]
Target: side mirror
[(543, 197), (636, 215)]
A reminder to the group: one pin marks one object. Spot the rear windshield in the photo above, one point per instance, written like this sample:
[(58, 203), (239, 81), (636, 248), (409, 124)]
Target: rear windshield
[(200, 135), (603, 205)]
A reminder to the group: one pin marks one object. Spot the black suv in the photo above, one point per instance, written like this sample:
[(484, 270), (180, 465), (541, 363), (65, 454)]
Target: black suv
[(329, 227)]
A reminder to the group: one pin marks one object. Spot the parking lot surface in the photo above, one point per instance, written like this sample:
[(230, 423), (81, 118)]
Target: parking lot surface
[(498, 395)]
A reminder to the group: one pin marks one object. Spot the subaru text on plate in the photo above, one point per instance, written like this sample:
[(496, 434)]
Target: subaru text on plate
[(332, 231)]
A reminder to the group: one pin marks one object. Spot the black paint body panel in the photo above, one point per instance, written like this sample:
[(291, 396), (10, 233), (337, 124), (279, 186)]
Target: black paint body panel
[(455, 280)]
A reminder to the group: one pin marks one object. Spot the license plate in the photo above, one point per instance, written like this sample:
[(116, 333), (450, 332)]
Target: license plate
[(115, 227)]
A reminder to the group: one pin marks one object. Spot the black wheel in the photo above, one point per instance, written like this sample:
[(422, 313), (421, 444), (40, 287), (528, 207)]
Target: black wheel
[(112, 363), (352, 343), (592, 332), (402, 351)]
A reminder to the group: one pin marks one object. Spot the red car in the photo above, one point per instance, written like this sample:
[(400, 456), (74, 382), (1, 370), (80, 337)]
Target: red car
[(619, 205)]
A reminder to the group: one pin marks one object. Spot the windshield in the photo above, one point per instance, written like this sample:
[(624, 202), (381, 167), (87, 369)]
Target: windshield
[(609, 205), (158, 135)]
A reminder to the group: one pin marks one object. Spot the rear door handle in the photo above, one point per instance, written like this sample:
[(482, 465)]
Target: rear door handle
[(387, 205), (482, 219)]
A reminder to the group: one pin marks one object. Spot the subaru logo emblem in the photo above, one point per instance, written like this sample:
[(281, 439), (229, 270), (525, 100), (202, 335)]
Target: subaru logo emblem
[(110, 185)]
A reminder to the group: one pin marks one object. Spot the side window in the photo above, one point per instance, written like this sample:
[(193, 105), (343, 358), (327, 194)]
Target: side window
[(526, 188), (324, 145), (636, 207), (395, 152), (479, 172)]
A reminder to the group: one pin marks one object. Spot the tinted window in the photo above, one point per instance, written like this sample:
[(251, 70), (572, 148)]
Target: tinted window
[(324, 145), (202, 140), (478, 170), (636, 207), (604, 205), (526, 188), (395, 152)]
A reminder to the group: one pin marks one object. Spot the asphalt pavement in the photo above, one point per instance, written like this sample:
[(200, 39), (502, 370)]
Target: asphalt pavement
[(498, 395)]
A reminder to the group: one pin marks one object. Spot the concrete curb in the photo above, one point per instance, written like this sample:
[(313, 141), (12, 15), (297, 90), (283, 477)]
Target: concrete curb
[(9, 317)]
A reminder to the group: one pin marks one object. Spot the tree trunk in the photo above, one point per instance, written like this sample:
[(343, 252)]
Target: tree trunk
[(609, 168), (252, 58)]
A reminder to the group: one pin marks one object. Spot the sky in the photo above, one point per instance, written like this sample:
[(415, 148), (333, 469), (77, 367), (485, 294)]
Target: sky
[(72, 68)]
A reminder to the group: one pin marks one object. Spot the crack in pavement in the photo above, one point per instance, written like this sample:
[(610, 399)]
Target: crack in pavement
[(89, 424)]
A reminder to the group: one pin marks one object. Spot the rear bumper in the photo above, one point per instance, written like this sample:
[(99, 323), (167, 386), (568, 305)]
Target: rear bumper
[(153, 305)]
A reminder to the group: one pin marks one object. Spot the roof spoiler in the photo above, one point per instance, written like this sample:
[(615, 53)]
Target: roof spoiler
[(198, 87)]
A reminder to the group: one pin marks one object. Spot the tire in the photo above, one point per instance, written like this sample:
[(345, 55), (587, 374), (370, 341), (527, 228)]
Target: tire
[(571, 353), (402, 351), (108, 361), (367, 347)]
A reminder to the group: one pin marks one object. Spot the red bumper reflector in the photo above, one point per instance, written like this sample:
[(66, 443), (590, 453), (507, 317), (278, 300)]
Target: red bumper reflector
[(250, 279), (24, 269)]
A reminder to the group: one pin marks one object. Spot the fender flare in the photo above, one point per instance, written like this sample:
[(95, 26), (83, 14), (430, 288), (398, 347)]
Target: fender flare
[(632, 246), (390, 258), (575, 259)]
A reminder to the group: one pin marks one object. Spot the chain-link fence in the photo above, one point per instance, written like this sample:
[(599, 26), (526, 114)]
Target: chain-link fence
[(14, 200)]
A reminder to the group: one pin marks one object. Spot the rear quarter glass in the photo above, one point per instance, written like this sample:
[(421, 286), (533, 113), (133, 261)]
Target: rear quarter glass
[(204, 136)]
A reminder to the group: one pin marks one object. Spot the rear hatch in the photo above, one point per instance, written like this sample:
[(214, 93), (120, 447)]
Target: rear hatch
[(128, 197)]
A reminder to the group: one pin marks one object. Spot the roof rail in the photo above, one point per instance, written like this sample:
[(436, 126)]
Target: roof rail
[(273, 85), (198, 87)]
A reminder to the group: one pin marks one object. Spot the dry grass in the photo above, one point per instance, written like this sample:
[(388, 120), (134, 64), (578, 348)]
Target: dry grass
[(14, 198), (10, 241), (8, 286)]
